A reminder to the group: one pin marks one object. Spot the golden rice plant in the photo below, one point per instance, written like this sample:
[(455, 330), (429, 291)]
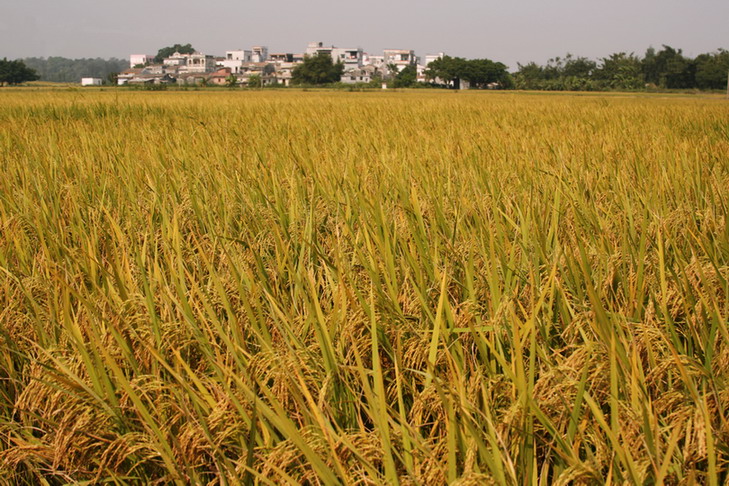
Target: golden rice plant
[(327, 288)]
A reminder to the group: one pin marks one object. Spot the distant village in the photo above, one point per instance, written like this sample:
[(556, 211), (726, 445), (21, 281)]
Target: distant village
[(243, 66)]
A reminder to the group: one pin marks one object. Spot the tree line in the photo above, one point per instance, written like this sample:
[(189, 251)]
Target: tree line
[(15, 72), (667, 68), (63, 70)]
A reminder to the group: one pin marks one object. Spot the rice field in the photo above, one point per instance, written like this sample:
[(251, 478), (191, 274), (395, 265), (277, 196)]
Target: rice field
[(323, 288)]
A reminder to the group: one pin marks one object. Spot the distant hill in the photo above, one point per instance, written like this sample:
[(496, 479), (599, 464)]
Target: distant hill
[(63, 70)]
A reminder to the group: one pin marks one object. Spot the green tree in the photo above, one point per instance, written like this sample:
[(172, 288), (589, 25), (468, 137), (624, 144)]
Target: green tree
[(448, 69), (668, 68), (649, 65), (579, 67), (318, 69), (480, 73), (168, 51), (112, 78), (64, 70), (554, 69), (15, 72), (231, 81), (712, 69), (620, 71), (255, 81), (528, 76), (405, 78)]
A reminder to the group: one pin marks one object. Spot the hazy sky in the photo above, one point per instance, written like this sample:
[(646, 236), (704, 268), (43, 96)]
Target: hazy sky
[(501, 30)]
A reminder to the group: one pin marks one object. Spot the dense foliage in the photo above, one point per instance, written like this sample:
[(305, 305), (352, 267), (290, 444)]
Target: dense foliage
[(63, 70), (317, 69), (479, 73), (404, 78), (325, 288), (667, 68), (15, 72)]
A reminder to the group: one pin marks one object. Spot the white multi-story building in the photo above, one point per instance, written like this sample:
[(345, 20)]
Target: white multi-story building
[(280, 57), (315, 48), (376, 61), (401, 58), (352, 58), (175, 59), (239, 55), (234, 60), (140, 59), (198, 63), (259, 54), (361, 75), (283, 63)]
